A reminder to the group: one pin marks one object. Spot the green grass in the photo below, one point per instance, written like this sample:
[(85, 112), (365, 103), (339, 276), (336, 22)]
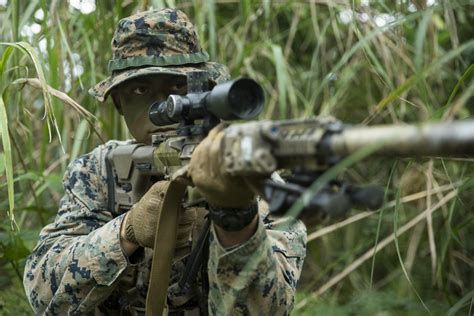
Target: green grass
[(418, 66)]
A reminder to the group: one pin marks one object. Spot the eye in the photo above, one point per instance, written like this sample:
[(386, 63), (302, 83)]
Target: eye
[(141, 90), (178, 87)]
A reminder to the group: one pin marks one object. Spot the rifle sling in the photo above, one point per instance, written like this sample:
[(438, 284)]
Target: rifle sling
[(165, 242), (110, 183), (195, 260)]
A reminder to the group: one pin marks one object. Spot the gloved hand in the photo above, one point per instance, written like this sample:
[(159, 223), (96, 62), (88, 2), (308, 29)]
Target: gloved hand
[(140, 223), (206, 169)]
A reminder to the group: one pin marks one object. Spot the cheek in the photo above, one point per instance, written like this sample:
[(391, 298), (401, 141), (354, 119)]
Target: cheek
[(140, 118), (139, 125)]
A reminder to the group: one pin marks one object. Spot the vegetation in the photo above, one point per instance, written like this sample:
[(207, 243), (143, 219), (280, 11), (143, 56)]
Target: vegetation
[(362, 61)]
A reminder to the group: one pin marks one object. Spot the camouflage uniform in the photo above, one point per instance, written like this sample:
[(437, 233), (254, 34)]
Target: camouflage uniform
[(78, 266)]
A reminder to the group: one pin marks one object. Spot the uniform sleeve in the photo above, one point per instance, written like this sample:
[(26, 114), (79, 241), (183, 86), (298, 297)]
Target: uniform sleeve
[(78, 257), (260, 276)]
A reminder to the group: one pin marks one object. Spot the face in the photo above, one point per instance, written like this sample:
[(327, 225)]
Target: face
[(135, 96)]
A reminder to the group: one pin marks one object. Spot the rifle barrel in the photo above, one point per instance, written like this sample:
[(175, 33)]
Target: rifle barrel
[(438, 139)]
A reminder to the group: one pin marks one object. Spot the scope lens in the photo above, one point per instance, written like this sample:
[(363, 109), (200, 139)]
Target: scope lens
[(246, 98), (158, 114)]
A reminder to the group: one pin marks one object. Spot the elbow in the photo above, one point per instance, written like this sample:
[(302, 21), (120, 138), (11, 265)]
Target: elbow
[(34, 287), (39, 281)]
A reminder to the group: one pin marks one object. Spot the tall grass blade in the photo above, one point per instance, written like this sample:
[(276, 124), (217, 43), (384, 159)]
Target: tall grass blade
[(90, 57), (6, 54), (420, 39), (465, 76), (360, 216), (361, 44), (282, 79), (7, 160), (369, 253), (379, 225), (68, 48), (67, 100), (79, 136), (467, 299), (49, 114), (429, 221), (327, 176), (428, 70), (27, 13), (15, 16), (402, 265), (211, 16), (2, 167)]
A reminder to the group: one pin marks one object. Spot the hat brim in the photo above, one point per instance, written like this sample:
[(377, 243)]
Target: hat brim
[(218, 73)]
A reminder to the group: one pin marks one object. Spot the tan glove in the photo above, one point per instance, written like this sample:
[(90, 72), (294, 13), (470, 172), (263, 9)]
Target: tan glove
[(206, 168), (140, 223)]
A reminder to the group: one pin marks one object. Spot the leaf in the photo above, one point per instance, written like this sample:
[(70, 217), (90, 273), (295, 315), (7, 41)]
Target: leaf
[(410, 82), (351, 52), (466, 75), (49, 113), (282, 79), (402, 265), (7, 159), (15, 249), (3, 61), (68, 48), (23, 177), (79, 136), (2, 163), (211, 16)]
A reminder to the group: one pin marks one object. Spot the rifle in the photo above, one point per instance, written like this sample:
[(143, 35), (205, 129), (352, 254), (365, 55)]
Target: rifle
[(305, 147)]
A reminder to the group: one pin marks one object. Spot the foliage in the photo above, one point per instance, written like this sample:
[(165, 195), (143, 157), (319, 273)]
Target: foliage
[(362, 61)]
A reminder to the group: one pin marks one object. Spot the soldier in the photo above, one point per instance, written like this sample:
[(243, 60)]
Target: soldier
[(94, 260)]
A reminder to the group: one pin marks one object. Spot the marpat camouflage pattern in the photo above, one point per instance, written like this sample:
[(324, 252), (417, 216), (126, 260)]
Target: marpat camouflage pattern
[(78, 266), (156, 42)]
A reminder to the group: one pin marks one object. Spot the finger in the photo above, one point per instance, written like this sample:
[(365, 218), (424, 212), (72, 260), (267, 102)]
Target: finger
[(255, 184), (202, 149), (203, 161), (219, 127), (205, 144), (215, 150), (215, 131), (207, 149)]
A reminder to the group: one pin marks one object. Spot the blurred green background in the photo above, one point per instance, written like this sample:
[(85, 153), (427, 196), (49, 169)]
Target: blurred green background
[(365, 62)]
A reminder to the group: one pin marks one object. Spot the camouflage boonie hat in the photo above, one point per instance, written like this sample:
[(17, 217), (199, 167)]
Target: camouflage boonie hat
[(156, 42)]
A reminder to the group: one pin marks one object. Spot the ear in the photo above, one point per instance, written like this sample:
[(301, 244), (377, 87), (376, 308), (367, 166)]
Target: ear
[(116, 101)]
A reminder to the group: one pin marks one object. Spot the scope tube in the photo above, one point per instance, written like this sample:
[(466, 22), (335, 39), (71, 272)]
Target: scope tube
[(241, 99)]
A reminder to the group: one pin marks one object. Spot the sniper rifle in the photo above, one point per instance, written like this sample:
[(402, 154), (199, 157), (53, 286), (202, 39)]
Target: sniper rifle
[(307, 148)]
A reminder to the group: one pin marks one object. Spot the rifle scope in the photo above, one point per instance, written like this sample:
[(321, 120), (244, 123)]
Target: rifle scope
[(240, 99)]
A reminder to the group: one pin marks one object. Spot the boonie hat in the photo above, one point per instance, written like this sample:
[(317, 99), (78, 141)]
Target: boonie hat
[(156, 42)]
